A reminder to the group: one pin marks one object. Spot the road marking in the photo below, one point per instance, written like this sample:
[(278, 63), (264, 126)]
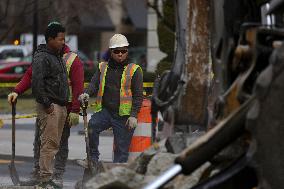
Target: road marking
[(4, 161)]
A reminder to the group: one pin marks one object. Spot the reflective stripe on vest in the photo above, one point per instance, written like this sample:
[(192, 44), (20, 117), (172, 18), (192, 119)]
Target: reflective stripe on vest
[(103, 69), (125, 88), (69, 58)]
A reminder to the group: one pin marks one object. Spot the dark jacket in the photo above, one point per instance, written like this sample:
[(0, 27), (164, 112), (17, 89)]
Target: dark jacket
[(76, 77), (49, 78), (111, 97)]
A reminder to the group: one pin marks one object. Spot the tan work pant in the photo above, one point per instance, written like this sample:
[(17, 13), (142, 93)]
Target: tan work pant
[(51, 127)]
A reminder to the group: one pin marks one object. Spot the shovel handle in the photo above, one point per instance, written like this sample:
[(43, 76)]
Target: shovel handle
[(14, 108), (13, 129), (84, 106)]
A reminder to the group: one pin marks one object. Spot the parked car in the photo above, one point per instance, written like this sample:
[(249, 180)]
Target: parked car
[(12, 53), (89, 65), (13, 71)]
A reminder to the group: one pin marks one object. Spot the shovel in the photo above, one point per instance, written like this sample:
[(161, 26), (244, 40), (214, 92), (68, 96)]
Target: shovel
[(13, 171), (88, 169)]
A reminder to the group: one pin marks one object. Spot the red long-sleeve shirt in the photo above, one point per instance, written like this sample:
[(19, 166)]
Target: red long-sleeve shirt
[(76, 76), (25, 83)]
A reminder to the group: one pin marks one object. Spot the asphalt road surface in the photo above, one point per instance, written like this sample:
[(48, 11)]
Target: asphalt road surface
[(24, 164), (24, 151)]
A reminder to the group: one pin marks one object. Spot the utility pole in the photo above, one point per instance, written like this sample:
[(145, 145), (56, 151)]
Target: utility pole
[(35, 25)]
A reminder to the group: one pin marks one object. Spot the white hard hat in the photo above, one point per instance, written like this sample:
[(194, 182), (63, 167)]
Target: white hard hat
[(118, 40)]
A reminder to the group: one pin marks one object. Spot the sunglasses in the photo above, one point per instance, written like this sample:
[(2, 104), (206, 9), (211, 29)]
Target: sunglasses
[(120, 51)]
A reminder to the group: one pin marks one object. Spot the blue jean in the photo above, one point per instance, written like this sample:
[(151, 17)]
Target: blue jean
[(103, 120)]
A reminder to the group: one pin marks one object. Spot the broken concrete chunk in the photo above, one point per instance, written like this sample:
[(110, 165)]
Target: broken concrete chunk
[(160, 163), (176, 143), (17, 187), (118, 177), (141, 162)]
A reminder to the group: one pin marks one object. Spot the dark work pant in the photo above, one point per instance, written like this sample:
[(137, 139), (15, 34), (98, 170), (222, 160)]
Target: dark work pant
[(103, 120), (60, 157)]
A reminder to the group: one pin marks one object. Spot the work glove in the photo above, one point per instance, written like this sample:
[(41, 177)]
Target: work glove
[(73, 119), (131, 123), (12, 97), (84, 97)]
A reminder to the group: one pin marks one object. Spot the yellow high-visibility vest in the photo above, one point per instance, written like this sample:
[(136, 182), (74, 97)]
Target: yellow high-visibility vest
[(125, 88), (69, 58)]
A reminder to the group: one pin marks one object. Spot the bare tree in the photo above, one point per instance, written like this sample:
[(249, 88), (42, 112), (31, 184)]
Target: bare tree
[(69, 11), (16, 15), (119, 15), (12, 15), (5, 10), (156, 5)]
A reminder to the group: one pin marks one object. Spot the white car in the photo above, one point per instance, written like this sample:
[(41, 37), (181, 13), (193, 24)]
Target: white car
[(12, 52)]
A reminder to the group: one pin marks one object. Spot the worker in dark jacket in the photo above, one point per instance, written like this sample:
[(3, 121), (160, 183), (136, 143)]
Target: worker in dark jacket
[(75, 73), (118, 88), (50, 89)]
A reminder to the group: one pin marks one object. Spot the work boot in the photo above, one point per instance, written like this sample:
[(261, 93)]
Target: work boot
[(48, 185), (82, 162), (89, 173), (57, 178), (96, 165), (33, 179)]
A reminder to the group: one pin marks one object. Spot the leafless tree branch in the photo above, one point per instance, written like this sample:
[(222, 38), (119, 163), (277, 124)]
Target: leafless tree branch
[(5, 10), (14, 21), (7, 31), (160, 16)]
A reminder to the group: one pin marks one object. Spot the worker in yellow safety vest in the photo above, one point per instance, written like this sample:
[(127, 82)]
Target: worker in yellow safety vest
[(118, 88)]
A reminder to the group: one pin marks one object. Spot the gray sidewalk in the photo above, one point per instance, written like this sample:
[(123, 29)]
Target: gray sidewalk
[(7, 119)]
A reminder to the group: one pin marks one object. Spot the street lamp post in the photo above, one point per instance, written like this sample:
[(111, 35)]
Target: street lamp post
[(35, 25)]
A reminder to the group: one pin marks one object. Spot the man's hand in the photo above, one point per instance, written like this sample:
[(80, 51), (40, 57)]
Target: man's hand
[(131, 123), (73, 119), (50, 109), (84, 97), (12, 97)]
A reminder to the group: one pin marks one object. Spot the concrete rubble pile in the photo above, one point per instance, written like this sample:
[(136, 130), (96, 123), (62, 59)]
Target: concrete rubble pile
[(148, 166), (17, 187)]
